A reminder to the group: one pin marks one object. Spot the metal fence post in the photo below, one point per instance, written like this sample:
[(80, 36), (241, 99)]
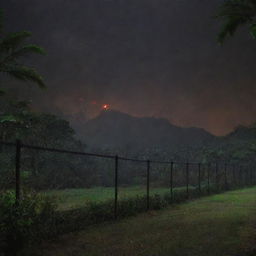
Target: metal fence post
[(248, 177), (225, 173), (116, 185), (17, 171), (254, 176), (216, 176), (234, 175), (251, 176), (208, 178), (187, 178), (148, 179), (171, 181), (245, 177), (240, 176), (199, 178)]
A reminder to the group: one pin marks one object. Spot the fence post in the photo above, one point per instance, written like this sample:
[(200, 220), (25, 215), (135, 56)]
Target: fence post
[(245, 177), (234, 175), (116, 185), (208, 178), (225, 173), (240, 176), (187, 178), (251, 177), (148, 178), (17, 171), (171, 181), (248, 177), (216, 176), (199, 178)]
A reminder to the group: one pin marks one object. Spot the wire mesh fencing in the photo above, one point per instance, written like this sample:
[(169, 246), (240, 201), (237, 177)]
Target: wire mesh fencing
[(78, 179)]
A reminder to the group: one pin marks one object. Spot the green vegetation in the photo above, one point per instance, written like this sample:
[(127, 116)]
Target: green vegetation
[(236, 13), (12, 53), (25, 223), (35, 217), (76, 198), (222, 225)]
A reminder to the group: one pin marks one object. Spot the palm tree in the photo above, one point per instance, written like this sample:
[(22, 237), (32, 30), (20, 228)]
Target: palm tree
[(236, 13), (12, 49)]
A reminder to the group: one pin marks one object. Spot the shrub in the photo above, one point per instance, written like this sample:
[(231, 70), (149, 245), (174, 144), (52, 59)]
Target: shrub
[(22, 224), (97, 212)]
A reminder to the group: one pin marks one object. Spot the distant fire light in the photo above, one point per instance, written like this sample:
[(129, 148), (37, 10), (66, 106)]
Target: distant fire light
[(106, 107)]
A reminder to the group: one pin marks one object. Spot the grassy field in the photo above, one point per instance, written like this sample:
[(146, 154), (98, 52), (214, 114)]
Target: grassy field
[(74, 198), (219, 225)]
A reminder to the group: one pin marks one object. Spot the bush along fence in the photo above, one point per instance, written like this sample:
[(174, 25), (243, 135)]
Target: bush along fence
[(24, 212), (192, 179)]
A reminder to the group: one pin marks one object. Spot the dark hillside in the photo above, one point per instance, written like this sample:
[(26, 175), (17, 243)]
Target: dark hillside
[(113, 129)]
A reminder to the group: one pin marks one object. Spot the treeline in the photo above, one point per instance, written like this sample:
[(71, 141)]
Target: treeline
[(42, 170)]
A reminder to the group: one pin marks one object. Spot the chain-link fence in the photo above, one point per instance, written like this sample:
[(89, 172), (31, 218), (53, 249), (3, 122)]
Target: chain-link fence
[(76, 179)]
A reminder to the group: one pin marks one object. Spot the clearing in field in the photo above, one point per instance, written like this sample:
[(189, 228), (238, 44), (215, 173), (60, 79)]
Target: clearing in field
[(219, 225)]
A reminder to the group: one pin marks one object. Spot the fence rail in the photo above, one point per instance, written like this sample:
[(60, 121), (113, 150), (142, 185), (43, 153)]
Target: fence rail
[(230, 174)]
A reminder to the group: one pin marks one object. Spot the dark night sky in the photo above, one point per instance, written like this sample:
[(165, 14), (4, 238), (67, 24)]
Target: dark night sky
[(144, 57)]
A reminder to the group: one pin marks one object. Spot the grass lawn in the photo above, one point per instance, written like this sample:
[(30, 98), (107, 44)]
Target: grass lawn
[(219, 225)]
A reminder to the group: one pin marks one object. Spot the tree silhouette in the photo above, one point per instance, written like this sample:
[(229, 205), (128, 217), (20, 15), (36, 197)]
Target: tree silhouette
[(12, 51), (236, 13)]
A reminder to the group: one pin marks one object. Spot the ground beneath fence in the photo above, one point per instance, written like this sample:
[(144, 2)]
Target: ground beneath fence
[(221, 225)]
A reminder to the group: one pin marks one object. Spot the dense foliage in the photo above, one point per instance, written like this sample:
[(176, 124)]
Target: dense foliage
[(40, 129), (25, 223)]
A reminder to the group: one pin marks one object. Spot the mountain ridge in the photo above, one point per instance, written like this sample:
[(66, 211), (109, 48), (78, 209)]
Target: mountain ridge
[(112, 129)]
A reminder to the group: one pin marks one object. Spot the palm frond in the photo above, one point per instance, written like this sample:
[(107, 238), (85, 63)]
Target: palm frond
[(235, 13), (22, 52), (23, 73), (11, 49), (27, 49), (13, 40), (230, 28)]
